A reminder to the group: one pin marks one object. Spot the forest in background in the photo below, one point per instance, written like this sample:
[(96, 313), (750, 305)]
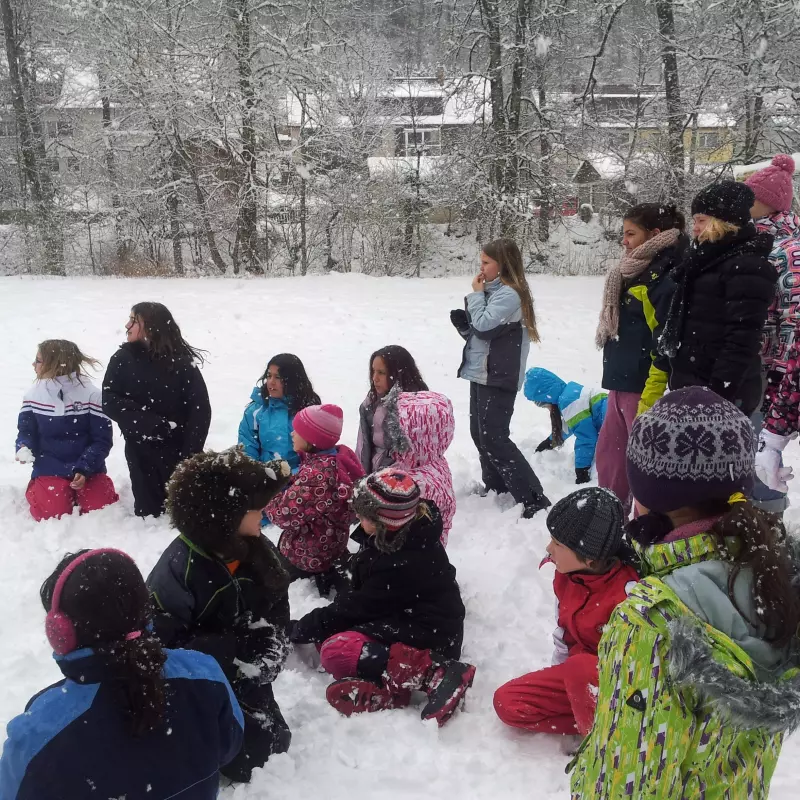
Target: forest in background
[(212, 137)]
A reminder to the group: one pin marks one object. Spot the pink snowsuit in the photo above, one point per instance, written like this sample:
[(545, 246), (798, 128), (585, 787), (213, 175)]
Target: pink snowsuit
[(425, 429)]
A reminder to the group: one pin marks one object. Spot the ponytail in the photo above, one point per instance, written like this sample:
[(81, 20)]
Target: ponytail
[(759, 541), (138, 669), (556, 425)]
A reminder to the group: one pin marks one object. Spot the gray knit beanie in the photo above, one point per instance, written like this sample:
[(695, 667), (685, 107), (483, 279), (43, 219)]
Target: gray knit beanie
[(590, 522), (692, 446)]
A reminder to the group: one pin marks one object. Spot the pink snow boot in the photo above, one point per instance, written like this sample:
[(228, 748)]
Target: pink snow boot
[(445, 682), (354, 695)]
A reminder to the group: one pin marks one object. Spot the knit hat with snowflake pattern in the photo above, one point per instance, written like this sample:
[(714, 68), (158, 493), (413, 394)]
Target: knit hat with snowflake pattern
[(391, 498), (690, 447)]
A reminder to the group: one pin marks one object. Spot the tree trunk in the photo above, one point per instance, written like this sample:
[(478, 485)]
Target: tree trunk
[(669, 61), (239, 13), (544, 150), (34, 161), (173, 209), (111, 168)]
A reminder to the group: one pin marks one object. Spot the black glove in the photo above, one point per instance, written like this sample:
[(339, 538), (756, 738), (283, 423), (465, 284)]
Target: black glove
[(582, 475), (547, 444), (460, 322)]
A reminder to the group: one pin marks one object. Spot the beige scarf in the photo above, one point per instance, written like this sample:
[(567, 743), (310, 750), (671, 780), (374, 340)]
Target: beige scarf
[(631, 266)]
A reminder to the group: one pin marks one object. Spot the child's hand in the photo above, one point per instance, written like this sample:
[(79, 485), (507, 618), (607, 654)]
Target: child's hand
[(78, 482), (25, 456), (478, 282), (547, 444)]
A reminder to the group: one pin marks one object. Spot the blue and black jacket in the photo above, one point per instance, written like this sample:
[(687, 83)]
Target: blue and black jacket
[(497, 340), (74, 742)]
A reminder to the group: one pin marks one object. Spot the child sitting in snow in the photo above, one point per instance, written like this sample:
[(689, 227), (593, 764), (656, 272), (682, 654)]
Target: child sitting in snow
[(64, 434), (313, 512), (586, 530), (574, 409), (128, 717), (265, 431), (401, 625), (220, 588)]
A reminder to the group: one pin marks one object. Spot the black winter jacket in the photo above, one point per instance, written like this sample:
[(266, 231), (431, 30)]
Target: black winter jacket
[(143, 395), (713, 332), (410, 596), (200, 605), (628, 359)]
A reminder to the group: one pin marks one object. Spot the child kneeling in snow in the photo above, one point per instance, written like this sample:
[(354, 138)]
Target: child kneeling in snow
[(574, 409), (401, 626), (64, 433), (586, 530), (220, 588), (129, 719), (314, 512)]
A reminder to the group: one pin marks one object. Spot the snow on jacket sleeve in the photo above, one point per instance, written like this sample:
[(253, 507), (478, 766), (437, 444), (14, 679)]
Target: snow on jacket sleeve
[(489, 314), (27, 431), (248, 435), (377, 598), (198, 419), (747, 297), (295, 506), (101, 436), (585, 441), (636, 705), (135, 422), (783, 417)]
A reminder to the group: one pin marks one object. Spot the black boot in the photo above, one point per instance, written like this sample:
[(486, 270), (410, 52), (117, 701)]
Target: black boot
[(539, 503)]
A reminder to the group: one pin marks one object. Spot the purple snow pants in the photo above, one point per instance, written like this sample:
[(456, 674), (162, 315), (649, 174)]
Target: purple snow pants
[(613, 442)]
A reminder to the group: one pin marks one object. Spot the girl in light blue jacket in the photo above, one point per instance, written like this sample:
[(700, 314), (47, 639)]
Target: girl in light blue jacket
[(265, 431)]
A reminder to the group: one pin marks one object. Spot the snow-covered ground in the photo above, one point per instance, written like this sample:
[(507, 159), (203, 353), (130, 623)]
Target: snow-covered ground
[(333, 323)]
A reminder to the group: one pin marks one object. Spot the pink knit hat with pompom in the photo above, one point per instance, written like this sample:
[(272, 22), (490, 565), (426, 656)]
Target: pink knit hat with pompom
[(320, 426), (773, 185)]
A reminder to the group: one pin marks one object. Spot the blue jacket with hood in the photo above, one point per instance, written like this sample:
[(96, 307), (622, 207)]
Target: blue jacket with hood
[(582, 409), (265, 431), (74, 741)]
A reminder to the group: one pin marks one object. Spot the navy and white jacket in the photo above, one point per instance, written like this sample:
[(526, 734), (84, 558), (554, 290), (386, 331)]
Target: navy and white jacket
[(74, 740), (62, 423), (497, 345)]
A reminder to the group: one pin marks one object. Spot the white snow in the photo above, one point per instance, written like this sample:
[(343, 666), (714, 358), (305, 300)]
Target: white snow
[(333, 323)]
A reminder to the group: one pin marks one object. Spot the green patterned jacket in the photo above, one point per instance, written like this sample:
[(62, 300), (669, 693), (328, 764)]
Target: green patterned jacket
[(680, 715)]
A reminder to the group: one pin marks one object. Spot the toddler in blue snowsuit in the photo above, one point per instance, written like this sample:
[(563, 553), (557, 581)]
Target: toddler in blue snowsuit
[(574, 410)]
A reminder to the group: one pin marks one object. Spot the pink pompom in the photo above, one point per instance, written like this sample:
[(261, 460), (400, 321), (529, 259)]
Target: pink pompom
[(784, 162)]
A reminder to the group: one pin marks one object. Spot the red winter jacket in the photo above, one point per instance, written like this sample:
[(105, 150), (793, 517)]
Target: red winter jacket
[(585, 603), (313, 510)]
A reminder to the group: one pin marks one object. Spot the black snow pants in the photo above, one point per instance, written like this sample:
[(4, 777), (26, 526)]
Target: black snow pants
[(503, 467)]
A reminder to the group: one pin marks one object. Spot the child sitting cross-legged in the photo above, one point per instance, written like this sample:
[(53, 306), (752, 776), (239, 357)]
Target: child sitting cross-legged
[(586, 530), (313, 512), (401, 625), (220, 588)]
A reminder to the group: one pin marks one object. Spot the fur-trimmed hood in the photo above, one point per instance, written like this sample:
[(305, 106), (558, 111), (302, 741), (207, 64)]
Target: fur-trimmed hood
[(745, 703), (419, 426)]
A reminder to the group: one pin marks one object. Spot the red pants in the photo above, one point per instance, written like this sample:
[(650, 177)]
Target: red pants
[(553, 700), (52, 497), (612, 445)]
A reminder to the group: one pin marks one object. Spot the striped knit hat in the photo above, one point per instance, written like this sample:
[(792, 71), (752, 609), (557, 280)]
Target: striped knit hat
[(390, 497), (320, 426)]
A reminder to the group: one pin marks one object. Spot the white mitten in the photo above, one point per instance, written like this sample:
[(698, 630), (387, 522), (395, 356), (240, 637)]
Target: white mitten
[(769, 462), (25, 456)]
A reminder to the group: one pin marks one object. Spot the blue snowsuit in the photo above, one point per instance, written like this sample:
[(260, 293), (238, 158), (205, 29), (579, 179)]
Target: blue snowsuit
[(266, 430), (582, 409)]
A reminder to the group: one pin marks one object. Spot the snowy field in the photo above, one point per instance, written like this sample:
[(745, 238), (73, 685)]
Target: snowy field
[(333, 323)]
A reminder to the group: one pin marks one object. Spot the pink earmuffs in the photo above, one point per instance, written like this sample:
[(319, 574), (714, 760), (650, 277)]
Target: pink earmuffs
[(60, 629)]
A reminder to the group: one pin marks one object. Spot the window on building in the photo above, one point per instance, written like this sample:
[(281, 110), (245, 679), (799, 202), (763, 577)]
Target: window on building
[(423, 140), (50, 128), (709, 140), (65, 128), (8, 129), (53, 165)]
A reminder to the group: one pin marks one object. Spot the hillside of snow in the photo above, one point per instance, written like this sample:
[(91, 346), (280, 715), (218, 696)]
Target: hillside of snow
[(333, 323)]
